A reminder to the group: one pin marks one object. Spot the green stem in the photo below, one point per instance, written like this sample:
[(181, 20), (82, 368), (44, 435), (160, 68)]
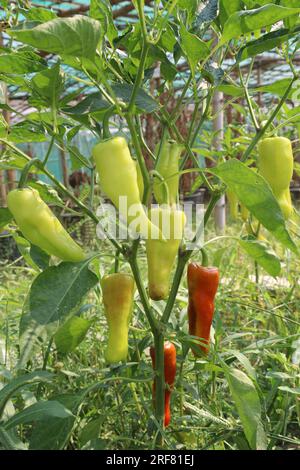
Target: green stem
[(139, 77), (182, 260), (182, 96), (140, 5), (204, 257), (49, 149), (263, 130), (188, 148), (249, 102), (139, 155), (25, 171), (45, 361), (143, 294)]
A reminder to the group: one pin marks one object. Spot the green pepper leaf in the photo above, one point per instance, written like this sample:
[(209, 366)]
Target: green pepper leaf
[(262, 254), (255, 193)]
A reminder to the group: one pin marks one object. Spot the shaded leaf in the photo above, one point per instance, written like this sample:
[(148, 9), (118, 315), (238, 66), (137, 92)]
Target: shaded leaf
[(37, 412)]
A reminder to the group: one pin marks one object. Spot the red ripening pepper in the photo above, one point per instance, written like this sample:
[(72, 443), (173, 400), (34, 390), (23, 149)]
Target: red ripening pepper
[(170, 372), (202, 286)]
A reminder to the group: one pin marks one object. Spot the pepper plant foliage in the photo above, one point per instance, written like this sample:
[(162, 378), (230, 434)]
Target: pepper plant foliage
[(85, 72)]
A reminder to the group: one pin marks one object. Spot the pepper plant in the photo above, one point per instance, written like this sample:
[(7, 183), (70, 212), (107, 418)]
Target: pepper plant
[(85, 72)]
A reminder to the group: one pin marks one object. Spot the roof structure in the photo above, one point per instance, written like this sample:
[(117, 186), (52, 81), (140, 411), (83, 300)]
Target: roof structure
[(269, 67)]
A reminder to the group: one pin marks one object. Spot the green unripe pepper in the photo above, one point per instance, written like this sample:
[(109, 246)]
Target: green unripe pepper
[(40, 226), (276, 164), (118, 177), (161, 254), (233, 204), (118, 293), (168, 168)]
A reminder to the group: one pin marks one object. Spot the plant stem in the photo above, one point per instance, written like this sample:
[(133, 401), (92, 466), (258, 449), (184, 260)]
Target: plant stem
[(263, 130), (139, 154), (25, 171), (49, 149), (139, 77)]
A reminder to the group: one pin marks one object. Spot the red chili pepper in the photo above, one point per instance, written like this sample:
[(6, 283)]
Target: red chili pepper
[(170, 372), (202, 286)]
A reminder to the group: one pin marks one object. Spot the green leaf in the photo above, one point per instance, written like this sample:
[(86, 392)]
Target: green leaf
[(21, 63), (47, 87), (279, 87), (292, 20), (10, 441), (243, 22), (71, 334), (227, 8), (37, 412), (10, 389), (5, 217), (24, 132), (39, 14), (39, 257), (230, 90), (262, 254), (193, 47), (266, 43), (101, 10), (77, 36), (144, 103), (54, 434), (12, 160), (255, 193), (248, 406), (93, 103), (32, 335), (58, 290), (47, 192)]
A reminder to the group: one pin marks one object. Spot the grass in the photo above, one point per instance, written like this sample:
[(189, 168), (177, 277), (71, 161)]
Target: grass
[(256, 330)]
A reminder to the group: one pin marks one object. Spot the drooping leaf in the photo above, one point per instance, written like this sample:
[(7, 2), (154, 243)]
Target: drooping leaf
[(53, 433), (10, 389), (262, 254), (193, 47), (37, 412), (246, 21), (255, 193), (58, 290), (248, 406), (266, 43), (77, 36), (21, 63)]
